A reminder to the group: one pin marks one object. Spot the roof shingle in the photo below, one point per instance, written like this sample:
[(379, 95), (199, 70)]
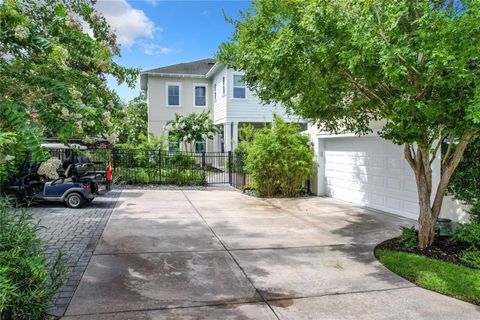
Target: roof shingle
[(199, 67)]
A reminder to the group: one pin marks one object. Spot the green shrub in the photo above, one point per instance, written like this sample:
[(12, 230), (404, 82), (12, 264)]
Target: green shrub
[(471, 257), (465, 186), (185, 177), (465, 182), (469, 233), (27, 283), (180, 161), (409, 237), (279, 159), (181, 177)]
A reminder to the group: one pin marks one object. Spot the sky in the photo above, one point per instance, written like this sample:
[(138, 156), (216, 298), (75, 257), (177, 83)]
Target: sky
[(156, 33)]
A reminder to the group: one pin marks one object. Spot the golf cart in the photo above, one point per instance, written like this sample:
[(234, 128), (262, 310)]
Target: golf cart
[(76, 182)]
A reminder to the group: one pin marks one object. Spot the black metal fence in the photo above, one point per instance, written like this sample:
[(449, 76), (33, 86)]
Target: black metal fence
[(139, 167)]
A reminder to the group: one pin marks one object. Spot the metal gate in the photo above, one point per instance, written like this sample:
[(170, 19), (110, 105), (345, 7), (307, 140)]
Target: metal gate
[(161, 167)]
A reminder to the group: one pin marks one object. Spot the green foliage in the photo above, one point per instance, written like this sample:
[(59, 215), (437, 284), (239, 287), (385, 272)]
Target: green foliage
[(191, 128), (409, 237), (27, 283), (471, 257), (11, 157), (246, 134), (146, 153), (469, 233), (465, 186), (173, 176), (53, 74), (279, 159), (180, 160), (447, 278), (131, 122), (343, 64), (465, 183)]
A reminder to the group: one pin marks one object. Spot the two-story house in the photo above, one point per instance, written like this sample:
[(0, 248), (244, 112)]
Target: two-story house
[(205, 85), (364, 170)]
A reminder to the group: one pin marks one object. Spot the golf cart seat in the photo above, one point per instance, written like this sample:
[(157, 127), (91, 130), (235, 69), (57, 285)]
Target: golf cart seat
[(58, 181), (66, 178)]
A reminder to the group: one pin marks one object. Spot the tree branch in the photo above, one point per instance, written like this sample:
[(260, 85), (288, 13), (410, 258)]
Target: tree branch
[(437, 147), (366, 91), (408, 155), (447, 154), (448, 171)]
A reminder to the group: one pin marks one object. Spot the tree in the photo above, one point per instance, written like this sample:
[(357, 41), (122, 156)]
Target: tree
[(131, 122), (344, 63), (191, 128), (54, 59)]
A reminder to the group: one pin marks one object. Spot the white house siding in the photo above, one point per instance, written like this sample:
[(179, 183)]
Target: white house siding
[(251, 108), (220, 105), (158, 111)]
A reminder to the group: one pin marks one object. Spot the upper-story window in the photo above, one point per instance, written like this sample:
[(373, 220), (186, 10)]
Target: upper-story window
[(223, 86), (239, 89), (215, 92), (173, 94), (200, 95)]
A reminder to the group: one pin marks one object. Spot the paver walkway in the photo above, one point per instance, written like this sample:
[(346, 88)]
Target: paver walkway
[(224, 255), (75, 233)]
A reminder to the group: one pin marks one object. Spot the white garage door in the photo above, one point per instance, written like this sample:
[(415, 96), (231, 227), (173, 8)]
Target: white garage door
[(372, 172)]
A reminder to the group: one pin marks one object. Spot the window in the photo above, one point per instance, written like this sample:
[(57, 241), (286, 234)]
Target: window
[(200, 92), (173, 94), (200, 146), (223, 86), (239, 89), (215, 92)]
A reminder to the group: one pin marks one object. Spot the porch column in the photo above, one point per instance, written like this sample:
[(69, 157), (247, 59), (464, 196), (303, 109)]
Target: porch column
[(234, 135), (227, 136), (215, 142), (320, 157)]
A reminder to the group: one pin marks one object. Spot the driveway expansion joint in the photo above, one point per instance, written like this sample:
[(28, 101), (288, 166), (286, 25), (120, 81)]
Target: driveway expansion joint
[(232, 256)]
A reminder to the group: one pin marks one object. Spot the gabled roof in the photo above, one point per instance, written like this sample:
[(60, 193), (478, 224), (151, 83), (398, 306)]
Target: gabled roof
[(199, 67)]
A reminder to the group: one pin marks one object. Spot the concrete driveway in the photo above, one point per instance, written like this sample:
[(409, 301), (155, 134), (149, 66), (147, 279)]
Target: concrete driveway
[(218, 254)]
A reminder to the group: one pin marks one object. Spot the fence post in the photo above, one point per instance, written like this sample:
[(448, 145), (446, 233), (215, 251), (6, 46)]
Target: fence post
[(230, 163), (204, 174), (114, 158)]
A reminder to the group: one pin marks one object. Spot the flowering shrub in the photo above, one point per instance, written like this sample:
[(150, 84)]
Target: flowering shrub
[(53, 74), (191, 128), (49, 168)]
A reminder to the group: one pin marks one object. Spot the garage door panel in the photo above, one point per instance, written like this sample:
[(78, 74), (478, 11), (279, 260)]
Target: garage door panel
[(394, 183), (371, 172)]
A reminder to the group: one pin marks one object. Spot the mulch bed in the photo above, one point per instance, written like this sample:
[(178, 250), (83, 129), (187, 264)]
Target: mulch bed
[(444, 249)]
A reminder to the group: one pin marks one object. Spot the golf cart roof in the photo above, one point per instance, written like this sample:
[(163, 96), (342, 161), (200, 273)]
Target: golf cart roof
[(63, 146)]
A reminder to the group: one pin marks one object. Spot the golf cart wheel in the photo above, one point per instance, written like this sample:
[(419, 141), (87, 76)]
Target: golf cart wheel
[(74, 200), (13, 198)]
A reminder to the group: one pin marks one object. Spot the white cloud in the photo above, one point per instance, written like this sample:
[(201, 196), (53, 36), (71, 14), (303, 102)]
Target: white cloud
[(129, 23), (152, 49), (153, 2)]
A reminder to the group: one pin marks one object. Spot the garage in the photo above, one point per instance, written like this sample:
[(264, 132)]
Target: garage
[(370, 171)]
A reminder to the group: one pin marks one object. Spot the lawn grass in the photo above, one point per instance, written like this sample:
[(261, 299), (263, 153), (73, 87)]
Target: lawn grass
[(447, 278)]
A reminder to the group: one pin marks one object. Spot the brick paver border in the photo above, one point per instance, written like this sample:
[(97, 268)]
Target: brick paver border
[(75, 232)]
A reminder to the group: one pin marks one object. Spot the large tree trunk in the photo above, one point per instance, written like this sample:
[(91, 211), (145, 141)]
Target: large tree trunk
[(421, 162)]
